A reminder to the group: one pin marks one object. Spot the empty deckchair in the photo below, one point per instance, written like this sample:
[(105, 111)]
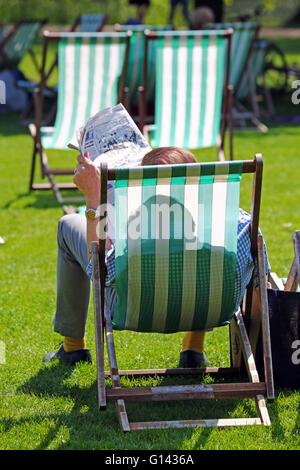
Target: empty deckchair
[(243, 41), (192, 105), (89, 23), (86, 24), (18, 41), (252, 85), (91, 69), (175, 263), (134, 77)]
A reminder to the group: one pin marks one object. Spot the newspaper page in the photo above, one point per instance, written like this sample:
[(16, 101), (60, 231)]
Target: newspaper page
[(112, 136)]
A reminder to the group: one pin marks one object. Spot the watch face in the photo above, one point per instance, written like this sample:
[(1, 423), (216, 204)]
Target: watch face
[(90, 213)]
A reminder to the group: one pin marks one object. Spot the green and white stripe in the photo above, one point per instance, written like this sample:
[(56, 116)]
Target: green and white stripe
[(176, 236), (256, 68), (242, 37), (135, 68), (189, 89), (91, 23), (89, 67), (20, 42)]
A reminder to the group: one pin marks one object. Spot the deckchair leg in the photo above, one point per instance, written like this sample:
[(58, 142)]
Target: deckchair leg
[(235, 345), (266, 338), (98, 327), (114, 374), (32, 168), (251, 368)]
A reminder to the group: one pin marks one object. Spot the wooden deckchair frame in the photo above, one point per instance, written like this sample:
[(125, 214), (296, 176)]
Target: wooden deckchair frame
[(293, 279), (226, 113), (239, 342), (35, 128)]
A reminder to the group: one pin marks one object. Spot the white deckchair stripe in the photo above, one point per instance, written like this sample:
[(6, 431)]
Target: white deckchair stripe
[(83, 84), (99, 63), (189, 276), (160, 308), (134, 199), (68, 96), (166, 92), (217, 247), (212, 58), (114, 66), (196, 101), (180, 93)]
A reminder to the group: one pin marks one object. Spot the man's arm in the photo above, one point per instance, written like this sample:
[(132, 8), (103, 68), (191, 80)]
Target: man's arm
[(87, 179)]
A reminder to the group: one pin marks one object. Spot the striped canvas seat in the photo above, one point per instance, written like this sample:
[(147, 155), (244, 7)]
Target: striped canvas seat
[(91, 23), (256, 68), (135, 68), (89, 68), (18, 42), (176, 241), (175, 263), (243, 36), (190, 83)]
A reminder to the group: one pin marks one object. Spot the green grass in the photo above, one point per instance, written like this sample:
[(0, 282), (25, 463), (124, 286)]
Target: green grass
[(52, 406)]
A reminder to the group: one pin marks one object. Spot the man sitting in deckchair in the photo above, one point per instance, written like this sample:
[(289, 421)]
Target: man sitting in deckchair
[(75, 234)]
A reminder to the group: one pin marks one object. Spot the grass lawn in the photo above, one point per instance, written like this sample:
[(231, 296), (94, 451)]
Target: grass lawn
[(52, 406)]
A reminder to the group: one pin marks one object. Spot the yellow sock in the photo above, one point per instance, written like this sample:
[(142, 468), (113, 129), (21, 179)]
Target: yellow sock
[(73, 344), (193, 340)]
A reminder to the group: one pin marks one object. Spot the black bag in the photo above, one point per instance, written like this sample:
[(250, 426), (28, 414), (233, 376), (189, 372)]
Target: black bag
[(284, 314)]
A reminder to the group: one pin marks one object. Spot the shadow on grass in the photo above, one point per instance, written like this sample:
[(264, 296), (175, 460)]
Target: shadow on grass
[(10, 125), (88, 428), (43, 200)]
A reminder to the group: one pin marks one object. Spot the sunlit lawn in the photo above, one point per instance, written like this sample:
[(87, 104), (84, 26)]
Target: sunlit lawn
[(54, 406)]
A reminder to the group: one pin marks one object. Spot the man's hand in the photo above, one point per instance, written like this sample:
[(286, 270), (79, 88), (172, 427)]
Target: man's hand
[(87, 179)]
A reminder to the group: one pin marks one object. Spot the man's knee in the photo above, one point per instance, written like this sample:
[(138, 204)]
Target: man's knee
[(70, 226)]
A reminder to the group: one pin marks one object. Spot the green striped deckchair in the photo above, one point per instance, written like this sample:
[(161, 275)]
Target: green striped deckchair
[(255, 73), (87, 24), (243, 42), (91, 69), (191, 89), (243, 38), (92, 23), (171, 278), (175, 263), (18, 42), (134, 76)]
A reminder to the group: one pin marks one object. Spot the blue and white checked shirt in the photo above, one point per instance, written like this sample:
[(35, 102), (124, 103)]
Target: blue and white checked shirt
[(244, 260)]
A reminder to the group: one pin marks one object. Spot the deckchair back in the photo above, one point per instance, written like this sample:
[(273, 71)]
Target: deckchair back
[(175, 248), (243, 39), (91, 69), (190, 82), (134, 77), (256, 68), (92, 23), (16, 45)]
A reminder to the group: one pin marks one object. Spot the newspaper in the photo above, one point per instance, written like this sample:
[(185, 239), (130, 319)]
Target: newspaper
[(111, 136)]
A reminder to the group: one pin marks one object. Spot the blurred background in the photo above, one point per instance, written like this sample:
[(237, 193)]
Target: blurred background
[(274, 13)]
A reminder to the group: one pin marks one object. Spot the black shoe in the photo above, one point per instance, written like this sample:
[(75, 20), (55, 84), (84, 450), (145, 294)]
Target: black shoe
[(190, 359), (81, 355)]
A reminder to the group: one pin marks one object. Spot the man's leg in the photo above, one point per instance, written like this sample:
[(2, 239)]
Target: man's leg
[(73, 284), (192, 352)]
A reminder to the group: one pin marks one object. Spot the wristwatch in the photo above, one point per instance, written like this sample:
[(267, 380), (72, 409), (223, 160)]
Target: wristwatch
[(92, 213)]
